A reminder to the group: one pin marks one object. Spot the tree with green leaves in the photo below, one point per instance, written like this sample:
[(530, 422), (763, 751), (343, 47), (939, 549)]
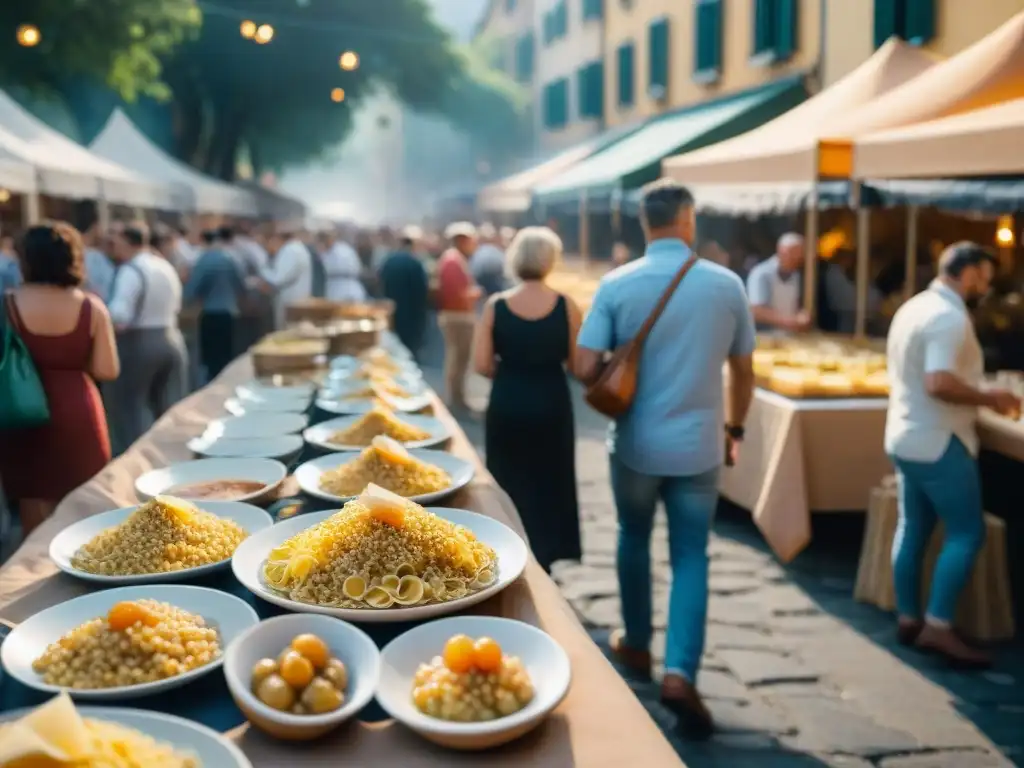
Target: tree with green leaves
[(274, 100), (118, 42)]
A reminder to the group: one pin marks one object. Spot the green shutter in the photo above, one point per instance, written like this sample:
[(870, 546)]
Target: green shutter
[(887, 20), (658, 55), (556, 104), (626, 75), (787, 26), (590, 86), (563, 15), (524, 58), (764, 26), (708, 36), (918, 21), (593, 9)]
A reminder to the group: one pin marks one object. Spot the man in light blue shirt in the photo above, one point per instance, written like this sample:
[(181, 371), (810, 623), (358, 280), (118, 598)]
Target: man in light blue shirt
[(669, 445), (99, 269), (216, 283), (10, 271)]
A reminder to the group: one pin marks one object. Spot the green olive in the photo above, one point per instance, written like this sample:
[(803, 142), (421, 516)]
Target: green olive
[(276, 693), (320, 697), (336, 674), (261, 670)]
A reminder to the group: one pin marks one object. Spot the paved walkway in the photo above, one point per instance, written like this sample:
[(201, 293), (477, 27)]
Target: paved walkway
[(796, 673)]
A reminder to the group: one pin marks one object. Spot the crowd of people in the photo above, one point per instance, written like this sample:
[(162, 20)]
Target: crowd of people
[(103, 307)]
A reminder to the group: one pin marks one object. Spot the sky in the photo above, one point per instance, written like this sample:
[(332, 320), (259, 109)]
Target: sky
[(365, 174)]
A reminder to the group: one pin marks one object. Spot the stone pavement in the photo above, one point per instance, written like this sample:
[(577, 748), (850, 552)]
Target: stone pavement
[(796, 673)]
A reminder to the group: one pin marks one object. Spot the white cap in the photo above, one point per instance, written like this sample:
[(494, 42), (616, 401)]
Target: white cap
[(459, 229)]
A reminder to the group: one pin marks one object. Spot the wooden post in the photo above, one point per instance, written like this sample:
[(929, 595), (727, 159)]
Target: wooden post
[(811, 255), (910, 280), (863, 265)]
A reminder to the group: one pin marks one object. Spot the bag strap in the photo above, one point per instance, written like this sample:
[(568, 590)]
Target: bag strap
[(652, 318)]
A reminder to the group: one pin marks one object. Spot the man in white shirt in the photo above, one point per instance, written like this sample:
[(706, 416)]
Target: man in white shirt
[(144, 306), (289, 275), (775, 288), (342, 270), (936, 370)]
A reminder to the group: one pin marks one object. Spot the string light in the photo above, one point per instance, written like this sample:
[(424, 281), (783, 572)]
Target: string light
[(338, 95), (264, 34), (248, 29), (29, 35), (5, 196), (1004, 231), (349, 61)]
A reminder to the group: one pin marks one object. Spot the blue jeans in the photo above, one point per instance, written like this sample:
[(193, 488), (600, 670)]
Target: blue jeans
[(690, 507), (948, 490)]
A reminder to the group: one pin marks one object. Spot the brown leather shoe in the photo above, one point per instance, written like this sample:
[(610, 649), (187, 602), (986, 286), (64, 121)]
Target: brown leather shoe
[(637, 662), (945, 642), (907, 631), (681, 696)]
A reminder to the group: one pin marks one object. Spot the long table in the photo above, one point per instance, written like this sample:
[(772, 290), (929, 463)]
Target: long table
[(601, 724)]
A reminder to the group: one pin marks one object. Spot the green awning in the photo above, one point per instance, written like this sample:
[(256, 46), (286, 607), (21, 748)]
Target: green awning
[(636, 159)]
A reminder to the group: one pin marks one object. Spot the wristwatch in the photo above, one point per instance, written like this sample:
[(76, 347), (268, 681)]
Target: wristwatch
[(735, 431)]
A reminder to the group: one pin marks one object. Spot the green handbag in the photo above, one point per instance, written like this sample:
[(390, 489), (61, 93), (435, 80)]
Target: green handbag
[(22, 397)]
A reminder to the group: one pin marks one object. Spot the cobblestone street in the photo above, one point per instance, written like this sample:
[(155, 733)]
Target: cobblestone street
[(796, 673)]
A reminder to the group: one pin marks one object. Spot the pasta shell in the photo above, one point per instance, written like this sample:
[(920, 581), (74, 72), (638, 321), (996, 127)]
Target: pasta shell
[(390, 582), (405, 570), (410, 591), (354, 587), (378, 597), (485, 577)]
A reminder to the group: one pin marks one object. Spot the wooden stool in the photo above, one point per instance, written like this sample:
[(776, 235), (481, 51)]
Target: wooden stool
[(985, 610)]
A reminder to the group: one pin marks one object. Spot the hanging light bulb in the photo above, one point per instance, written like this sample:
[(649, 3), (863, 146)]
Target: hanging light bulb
[(264, 34), (1004, 232), (5, 195), (248, 29), (29, 35), (338, 95), (349, 61)]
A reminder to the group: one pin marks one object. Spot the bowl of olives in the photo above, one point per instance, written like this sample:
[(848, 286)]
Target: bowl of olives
[(299, 676)]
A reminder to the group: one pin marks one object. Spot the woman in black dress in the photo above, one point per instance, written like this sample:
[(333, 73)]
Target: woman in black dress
[(524, 343)]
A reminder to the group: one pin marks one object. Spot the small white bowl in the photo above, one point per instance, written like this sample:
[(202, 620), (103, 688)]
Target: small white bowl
[(257, 425), (258, 390), (266, 471), (352, 646), (320, 434), (339, 389), (308, 475), (545, 660), (284, 448), (230, 615), (239, 407), (66, 543), (414, 404)]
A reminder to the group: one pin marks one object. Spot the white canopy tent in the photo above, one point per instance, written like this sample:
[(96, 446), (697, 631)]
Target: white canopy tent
[(66, 169), (122, 142)]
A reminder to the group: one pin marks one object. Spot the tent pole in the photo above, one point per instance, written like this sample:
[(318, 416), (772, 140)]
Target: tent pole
[(863, 264), (584, 229), (811, 255), (30, 209), (616, 217), (910, 281)]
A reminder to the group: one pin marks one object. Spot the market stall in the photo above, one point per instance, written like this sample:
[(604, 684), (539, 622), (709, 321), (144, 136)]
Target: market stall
[(586, 729)]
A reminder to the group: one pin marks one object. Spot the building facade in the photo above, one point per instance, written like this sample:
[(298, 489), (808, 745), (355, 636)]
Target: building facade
[(662, 55), (854, 30)]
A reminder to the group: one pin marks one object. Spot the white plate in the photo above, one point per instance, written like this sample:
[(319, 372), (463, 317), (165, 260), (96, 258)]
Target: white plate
[(230, 616), (342, 388), (258, 390), (347, 643), (267, 471), (510, 548), (257, 425), (354, 407), (319, 434), (284, 448), (238, 407), (545, 660), (308, 475), (211, 748), (66, 543), (346, 364)]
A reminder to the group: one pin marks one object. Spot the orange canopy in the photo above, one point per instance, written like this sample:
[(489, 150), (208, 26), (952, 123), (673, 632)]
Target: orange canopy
[(979, 143), (785, 149), (987, 73)]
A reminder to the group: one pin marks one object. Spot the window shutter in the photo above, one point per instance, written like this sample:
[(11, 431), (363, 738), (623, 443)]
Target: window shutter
[(918, 21), (563, 19), (626, 76), (524, 58), (787, 26), (764, 26), (593, 9), (590, 85), (562, 101), (887, 20), (658, 55), (708, 43)]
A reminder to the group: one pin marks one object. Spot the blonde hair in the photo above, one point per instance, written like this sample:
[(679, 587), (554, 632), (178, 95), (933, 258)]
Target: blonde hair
[(534, 252)]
